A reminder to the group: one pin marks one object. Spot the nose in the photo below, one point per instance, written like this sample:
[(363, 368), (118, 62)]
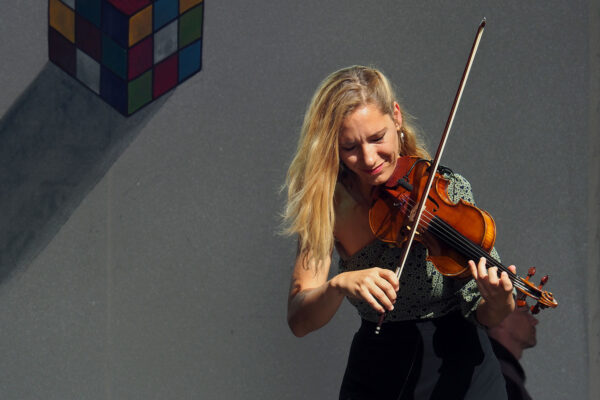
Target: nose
[(368, 156)]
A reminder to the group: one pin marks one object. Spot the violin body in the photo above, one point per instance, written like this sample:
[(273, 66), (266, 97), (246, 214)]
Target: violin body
[(390, 216), (453, 232)]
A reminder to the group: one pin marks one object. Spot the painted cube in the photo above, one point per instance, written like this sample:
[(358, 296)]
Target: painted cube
[(129, 52)]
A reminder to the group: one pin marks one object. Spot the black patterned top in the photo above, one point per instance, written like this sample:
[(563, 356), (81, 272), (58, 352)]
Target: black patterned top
[(424, 292)]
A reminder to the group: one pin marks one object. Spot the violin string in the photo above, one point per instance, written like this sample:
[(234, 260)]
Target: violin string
[(445, 232), (436, 226), (476, 251), (441, 229), (448, 234)]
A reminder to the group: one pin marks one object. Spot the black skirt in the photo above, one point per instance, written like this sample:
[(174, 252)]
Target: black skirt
[(445, 358)]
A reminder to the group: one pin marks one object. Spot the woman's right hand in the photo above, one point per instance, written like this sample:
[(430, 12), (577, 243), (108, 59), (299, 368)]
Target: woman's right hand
[(376, 286)]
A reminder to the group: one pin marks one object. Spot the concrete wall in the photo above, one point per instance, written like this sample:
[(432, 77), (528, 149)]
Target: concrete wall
[(593, 273), (140, 258)]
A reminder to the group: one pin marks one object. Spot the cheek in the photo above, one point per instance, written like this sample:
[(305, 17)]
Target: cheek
[(392, 151), (348, 160), (395, 148)]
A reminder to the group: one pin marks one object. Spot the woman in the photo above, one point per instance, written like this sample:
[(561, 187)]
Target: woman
[(432, 344)]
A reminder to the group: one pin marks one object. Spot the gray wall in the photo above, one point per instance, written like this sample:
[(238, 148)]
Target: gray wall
[(140, 258)]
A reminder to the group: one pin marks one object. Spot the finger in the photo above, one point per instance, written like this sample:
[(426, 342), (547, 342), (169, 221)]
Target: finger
[(473, 269), (390, 276), (505, 282), (513, 269), (481, 269), (387, 288), (493, 278), (382, 298), (372, 301)]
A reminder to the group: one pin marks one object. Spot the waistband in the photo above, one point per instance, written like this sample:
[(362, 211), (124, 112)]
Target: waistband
[(410, 326)]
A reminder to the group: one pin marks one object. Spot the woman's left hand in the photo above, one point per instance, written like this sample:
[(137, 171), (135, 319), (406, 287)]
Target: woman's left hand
[(496, 290)]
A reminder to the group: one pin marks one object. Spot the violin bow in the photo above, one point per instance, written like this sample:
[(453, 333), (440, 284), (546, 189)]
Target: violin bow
[(416, 214)]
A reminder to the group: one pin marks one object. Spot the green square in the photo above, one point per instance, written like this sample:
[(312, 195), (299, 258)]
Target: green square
[(190, 26), (139, 92)]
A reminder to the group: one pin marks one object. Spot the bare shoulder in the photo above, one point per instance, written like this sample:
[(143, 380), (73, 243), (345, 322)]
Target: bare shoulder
[(352, 231)]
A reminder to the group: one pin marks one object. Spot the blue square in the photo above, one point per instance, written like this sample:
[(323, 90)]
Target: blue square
[(90, 10), (113, 90), (164, 12), (115, 24), (190, 60)]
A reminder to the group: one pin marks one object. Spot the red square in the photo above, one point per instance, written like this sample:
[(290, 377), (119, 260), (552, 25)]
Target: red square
[(165, 76), (140, 58), (129, 7), (62, 52), (88, 38)]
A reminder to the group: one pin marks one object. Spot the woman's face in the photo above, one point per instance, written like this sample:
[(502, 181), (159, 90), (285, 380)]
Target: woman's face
[(368, 144)]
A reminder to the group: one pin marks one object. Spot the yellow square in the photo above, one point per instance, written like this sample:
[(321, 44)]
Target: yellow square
[(62, 18), (140, 25)]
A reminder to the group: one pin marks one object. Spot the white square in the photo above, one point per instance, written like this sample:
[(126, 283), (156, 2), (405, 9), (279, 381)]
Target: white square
[(88, 71), (165, 42)]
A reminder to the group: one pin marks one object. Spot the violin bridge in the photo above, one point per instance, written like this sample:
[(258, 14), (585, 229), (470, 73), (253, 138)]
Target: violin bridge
[(408, 228)]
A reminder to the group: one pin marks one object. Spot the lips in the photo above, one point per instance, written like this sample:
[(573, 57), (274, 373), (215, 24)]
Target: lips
[(375, 170)]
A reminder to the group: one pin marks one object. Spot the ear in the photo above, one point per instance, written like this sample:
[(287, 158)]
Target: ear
[(397, 115)]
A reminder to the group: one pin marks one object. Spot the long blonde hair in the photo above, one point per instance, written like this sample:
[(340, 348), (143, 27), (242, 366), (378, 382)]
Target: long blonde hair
[(313, 173)]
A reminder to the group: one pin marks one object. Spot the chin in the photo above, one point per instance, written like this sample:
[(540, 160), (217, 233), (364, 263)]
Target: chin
[(374, 180), (385, 176), (380, 181)]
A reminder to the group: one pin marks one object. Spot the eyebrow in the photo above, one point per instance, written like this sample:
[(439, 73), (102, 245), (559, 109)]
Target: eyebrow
[(379, 132)]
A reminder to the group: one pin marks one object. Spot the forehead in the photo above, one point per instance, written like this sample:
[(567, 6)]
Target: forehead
[(364, 120)]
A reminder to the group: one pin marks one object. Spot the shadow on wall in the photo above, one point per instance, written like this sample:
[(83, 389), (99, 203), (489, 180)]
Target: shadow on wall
[(56, 142)]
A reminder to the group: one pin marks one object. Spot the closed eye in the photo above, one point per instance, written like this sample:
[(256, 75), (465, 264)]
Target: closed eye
[(378, 136)]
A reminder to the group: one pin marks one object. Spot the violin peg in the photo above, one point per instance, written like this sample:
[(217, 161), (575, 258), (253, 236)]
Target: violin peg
[(543, 281), (521, 302), (530, 272), (537, 307)]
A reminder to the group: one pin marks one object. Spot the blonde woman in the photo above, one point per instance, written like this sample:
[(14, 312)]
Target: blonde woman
[(432, 344)]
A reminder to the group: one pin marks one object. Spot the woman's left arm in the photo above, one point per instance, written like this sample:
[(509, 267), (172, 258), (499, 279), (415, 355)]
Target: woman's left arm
[(496, 292)]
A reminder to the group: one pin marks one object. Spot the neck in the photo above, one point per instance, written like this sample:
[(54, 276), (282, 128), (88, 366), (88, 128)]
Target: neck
[(365, 192), (361, 193), (513, 347)]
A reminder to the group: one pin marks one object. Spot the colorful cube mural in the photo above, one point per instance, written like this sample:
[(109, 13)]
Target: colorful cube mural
[(129, 52)]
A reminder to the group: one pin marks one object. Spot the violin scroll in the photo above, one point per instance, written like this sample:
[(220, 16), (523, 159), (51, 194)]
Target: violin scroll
[(544, 298)]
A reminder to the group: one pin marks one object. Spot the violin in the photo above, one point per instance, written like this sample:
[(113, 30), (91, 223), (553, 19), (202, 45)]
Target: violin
[(414, 205), (453, 232)]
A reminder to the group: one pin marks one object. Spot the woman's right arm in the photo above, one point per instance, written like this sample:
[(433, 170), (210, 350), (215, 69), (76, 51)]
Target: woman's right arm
[(314, 300)]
